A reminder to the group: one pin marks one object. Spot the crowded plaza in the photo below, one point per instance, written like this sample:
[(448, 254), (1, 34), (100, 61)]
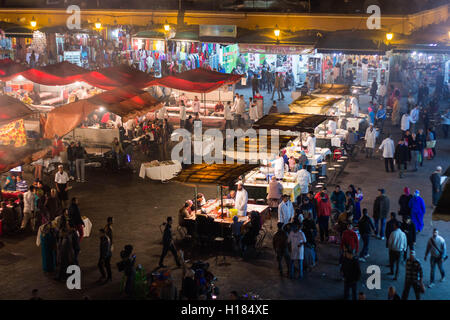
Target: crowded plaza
[(183, 160)]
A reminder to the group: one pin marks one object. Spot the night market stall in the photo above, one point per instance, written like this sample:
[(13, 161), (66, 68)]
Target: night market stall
[(293, 156), (200, 90), (210, 221)]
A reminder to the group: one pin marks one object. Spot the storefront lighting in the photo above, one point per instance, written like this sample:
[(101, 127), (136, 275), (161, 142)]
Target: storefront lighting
[(33, 22), (167, 26), (98, 25), (389, 36), (101, 109), (276, 31)]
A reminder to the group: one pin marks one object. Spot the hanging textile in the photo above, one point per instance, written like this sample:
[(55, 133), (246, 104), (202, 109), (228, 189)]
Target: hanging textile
[(13, 134)]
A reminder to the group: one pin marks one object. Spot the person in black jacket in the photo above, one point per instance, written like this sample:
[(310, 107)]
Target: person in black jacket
[(104, 260), (409, 229), (421, 144), (365, 227), (414, 151), (168, 244), (403, 202), (75, 219), (436, 190), (71, 160), (401, 156), (351, 272), (280, 246), (79, 153), (390, 226)]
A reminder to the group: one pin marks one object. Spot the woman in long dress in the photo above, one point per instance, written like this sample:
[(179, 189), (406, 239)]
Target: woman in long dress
[(297, 240), (47, 239)]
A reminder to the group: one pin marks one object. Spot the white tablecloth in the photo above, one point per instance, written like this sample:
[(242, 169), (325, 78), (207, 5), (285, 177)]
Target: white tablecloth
[(87, 227), (162, 172), (336, 142)]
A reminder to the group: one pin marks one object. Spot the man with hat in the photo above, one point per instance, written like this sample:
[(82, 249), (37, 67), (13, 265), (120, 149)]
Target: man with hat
[(380, 212), (435, 179)]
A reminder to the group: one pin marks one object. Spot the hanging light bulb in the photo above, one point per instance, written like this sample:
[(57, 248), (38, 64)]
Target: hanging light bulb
[(276, 31), (33, 22), (98, 25)]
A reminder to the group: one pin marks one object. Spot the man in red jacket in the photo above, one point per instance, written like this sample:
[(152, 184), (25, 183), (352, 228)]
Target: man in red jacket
[(350, 239), (323, 214)]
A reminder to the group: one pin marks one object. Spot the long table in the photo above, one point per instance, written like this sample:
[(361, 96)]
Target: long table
[(221, 226), (161, 172)]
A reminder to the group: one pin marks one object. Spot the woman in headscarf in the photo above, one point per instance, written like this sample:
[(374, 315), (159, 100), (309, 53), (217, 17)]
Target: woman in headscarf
[(403, 201), (47, 240), (297, 240), (53, 204), (75, 219), (417, 206)]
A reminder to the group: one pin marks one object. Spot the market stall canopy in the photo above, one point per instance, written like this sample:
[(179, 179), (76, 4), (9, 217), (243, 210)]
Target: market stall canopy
[(11, 157), (223, 174), (251, 149), (290, 121), (332, 90), (118, 76), (433, 38), (15, 30), (65, 73), (127, 102), (198, 80), (12, 109), (59, 74), (313, 104), (10, 69), (353, 42)]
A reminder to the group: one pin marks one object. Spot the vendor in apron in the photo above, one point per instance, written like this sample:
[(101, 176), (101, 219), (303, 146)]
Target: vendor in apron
[(61, 180), (310, 145), (240, 202), (278, 165)]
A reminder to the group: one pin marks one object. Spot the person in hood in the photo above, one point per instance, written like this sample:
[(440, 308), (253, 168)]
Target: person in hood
[(403, 202), (418, 209)]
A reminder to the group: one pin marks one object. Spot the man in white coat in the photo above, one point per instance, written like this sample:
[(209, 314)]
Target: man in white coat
[(303, 178), (228, 115), (240, 109), (253, 111), (182, 115), (285, 210), (355, 107), (404, 123), (310, 144), (240, 202), (388, 148), (331, 126), (28, 207), (278, 166), (371, 138)]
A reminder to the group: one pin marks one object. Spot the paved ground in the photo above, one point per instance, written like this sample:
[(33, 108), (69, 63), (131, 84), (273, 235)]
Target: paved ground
[(140, 206)]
